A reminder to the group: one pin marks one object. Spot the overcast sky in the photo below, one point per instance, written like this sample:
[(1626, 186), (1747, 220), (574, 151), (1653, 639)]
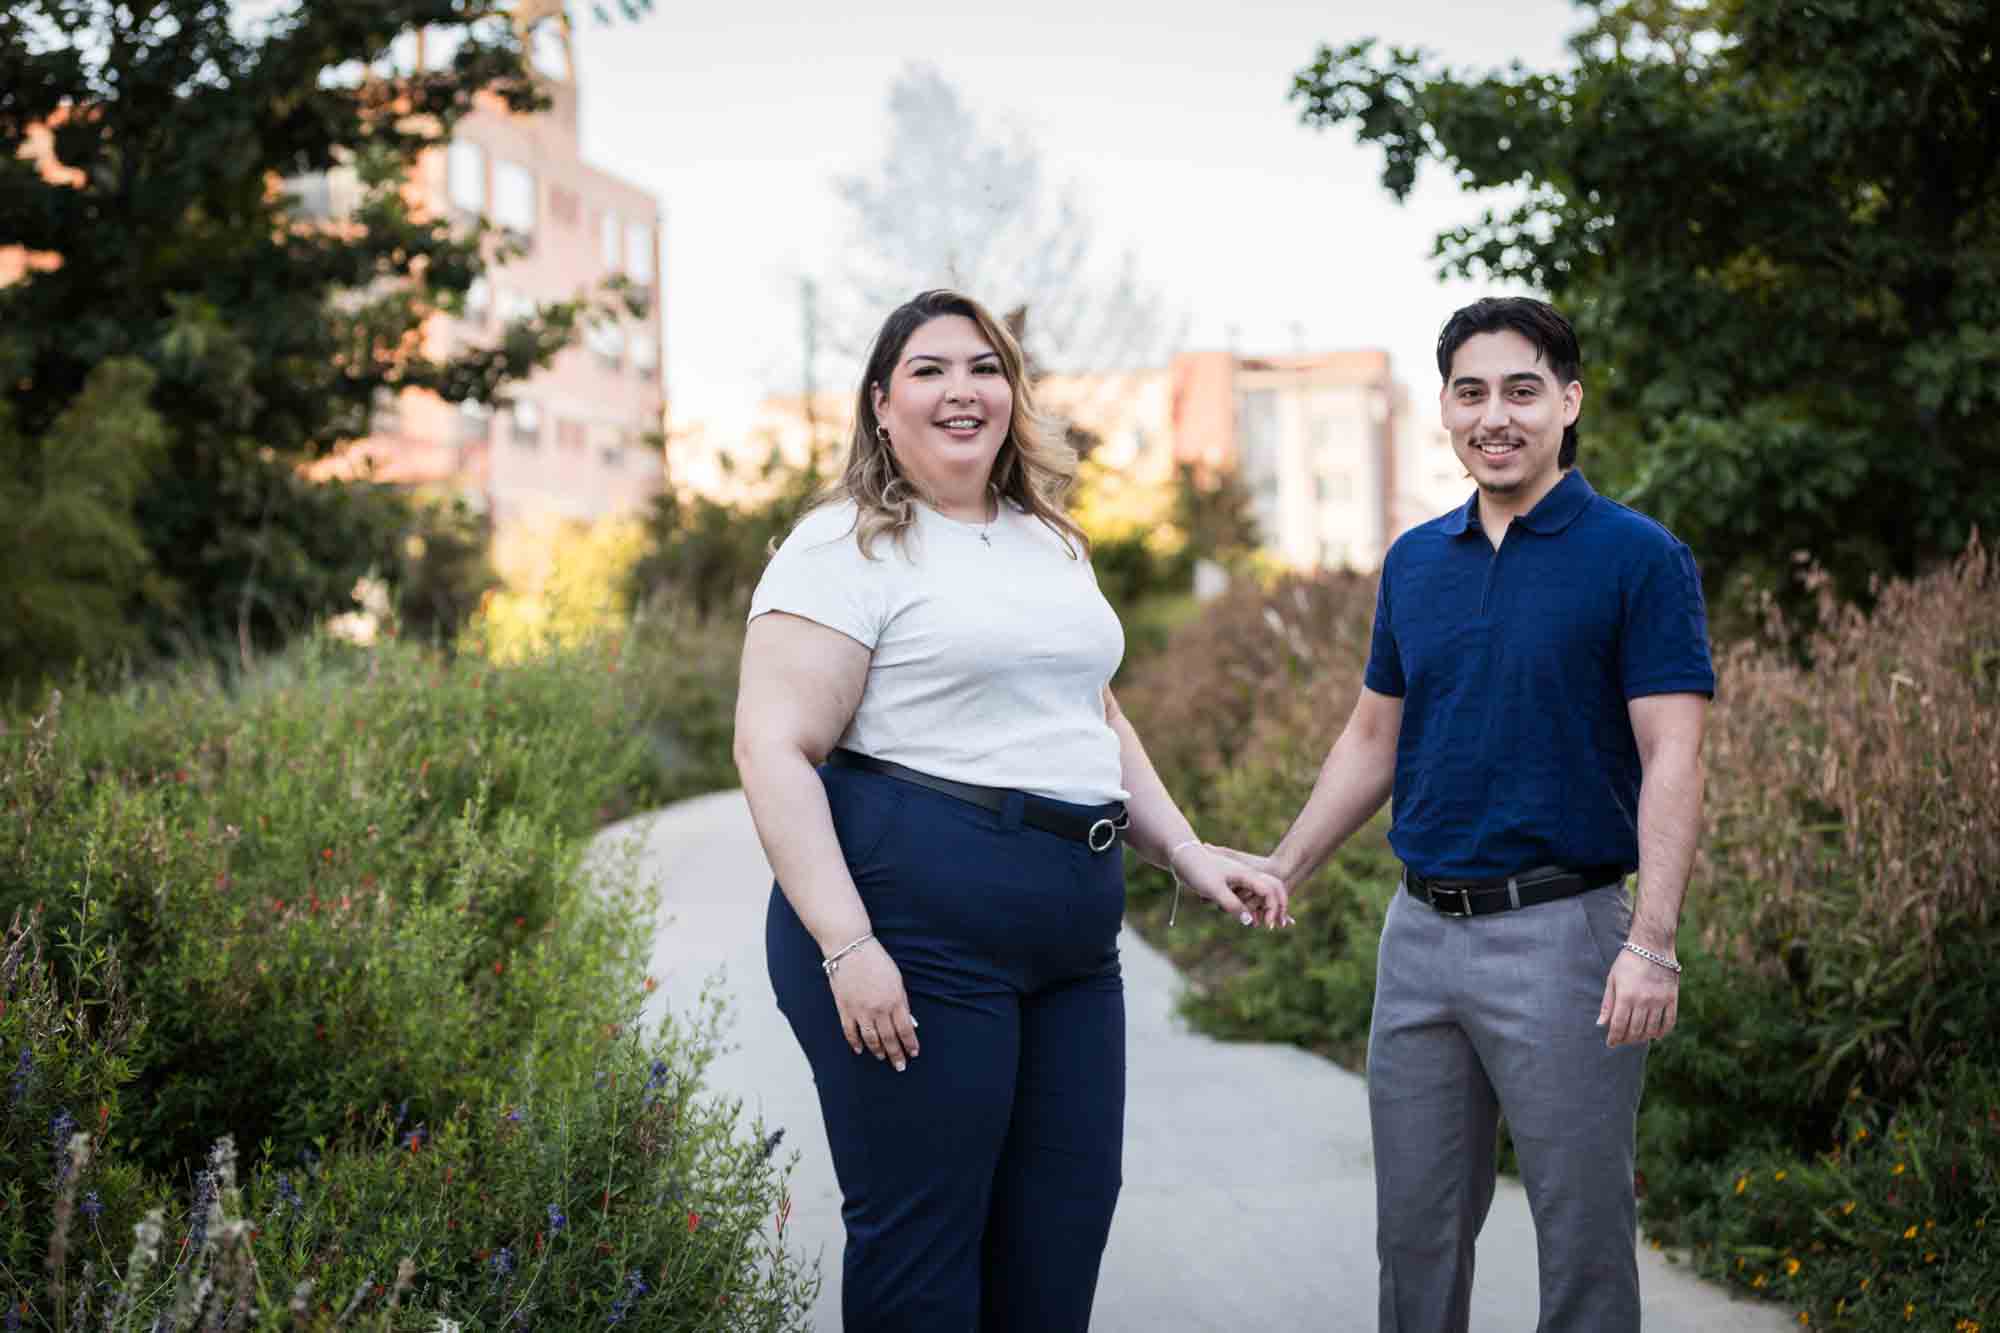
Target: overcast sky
[(1172, 120)]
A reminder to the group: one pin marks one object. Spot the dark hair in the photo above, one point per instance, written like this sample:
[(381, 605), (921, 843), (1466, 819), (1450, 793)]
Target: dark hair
[(1537, 321)]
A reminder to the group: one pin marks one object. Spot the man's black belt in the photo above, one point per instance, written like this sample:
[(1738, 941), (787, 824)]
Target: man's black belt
[(1477, 897), (1097, 828)]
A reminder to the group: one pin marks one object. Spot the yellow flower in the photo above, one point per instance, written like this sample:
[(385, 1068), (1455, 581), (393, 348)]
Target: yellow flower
[(1779, 1175), (1896, 1170), (1911, 1234), (1909, 1312), (1791, 1266), (1930, 1256), (1804, 1318), (1865, 1281), (1861, 1132), (1742, 1183), (1847, 1208), (1758, 1281)]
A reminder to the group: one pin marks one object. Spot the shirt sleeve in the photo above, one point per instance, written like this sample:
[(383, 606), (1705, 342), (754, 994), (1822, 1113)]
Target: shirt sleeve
[(820, 574), (1664, 649), (1385, 664)]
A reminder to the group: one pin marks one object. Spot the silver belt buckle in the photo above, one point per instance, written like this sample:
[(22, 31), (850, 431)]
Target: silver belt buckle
[(1432, 892), (1109, 831)]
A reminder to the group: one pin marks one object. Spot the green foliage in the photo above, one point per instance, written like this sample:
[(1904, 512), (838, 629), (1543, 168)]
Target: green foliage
[(706, 555), (272, 909), (1838, 942), (269, 334), (71, 548), (1777, 228)]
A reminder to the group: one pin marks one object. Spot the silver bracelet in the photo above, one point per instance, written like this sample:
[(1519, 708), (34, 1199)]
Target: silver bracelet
[(831, 963), (1658, 959), (1175, 910)]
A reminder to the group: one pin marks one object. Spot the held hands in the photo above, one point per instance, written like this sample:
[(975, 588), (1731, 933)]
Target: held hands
[(1239, 884), (1641, 1001), (874, 1011)]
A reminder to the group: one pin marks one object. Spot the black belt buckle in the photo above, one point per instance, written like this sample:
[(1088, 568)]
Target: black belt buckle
[(1431, 896), (1108, 830)]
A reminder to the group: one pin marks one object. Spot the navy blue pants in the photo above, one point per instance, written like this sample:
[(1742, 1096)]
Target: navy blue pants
[(978, 1184)]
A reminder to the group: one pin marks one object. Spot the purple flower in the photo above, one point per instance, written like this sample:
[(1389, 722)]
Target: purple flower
[(60, 1128), (556, 1220), (503, 1262), (515, 1115), (659, 1078), (287, 1196), (414, 1139), (771, 1144), (204, 1197), (91, 1207), (634, 1289)]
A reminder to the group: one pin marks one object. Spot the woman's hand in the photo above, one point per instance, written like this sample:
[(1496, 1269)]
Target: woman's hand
[(1250, 893), (874, 1011)]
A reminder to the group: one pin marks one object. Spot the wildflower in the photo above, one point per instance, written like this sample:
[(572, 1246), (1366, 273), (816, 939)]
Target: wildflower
[(61, 1126), (1804, 1318), (1911, 1233), (1779, 1175), (1791, 1266), (91, 1207), (287, 1196), (694, 1220), (659, 1078), (1742, 1183), (515, 1115), (1865, 1281), (1930, 1224), (556, 1220), (635, 1287), (1896, 1170), (1930, 1256), (1759, 1281), (1909, 1311), (503, 1262), (1847, 1209), (414, 1139), (1860, 1132)]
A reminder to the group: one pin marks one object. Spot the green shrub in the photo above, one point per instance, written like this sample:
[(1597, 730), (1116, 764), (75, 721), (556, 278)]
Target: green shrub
[(273, 910)]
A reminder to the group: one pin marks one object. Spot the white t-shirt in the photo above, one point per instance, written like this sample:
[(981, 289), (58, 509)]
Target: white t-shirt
[(989, 662)]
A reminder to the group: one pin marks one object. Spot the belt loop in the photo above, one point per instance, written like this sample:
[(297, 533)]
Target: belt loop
[(1513, 893), (1010, 813)]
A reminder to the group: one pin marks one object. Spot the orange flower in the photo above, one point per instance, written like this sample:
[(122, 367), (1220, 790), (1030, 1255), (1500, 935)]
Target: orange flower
[(1758, 1281), (1791, 1267), (1911, 1233), (1896, 1170), (1847, 1209)]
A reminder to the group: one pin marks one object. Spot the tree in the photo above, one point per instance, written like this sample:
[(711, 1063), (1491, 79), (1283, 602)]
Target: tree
[(153, 208), (1777, 228), (953, 204)]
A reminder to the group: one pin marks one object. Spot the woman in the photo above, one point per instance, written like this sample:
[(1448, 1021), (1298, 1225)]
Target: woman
[(940, 778)]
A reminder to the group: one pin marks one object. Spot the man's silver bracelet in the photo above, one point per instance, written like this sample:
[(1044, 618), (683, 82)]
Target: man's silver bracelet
[(1658, 959), (831, 963)]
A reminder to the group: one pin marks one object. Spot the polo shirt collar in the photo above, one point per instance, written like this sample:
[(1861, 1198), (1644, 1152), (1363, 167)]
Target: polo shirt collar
[(1566, 500)]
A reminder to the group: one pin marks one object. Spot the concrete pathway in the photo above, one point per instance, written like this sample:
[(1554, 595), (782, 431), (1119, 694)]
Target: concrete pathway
[(1248, 1200)]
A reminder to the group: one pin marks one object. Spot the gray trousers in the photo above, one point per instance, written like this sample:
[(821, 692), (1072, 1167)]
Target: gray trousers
[(1476, 1017)]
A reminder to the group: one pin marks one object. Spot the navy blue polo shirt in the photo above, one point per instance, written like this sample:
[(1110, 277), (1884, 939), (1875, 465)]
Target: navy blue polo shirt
[(1515, 666)]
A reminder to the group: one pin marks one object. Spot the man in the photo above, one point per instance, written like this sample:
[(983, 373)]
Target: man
[(1535, 696)]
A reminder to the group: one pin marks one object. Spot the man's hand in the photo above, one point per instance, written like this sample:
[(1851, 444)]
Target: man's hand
[(1641, 1001)]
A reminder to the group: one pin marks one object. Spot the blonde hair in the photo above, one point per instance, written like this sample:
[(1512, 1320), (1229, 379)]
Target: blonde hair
[(1033, 469)]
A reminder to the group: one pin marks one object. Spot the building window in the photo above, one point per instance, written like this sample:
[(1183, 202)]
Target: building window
[(527, 430), (515, 306), (607, 343), (548, 50), (465, 176), (639, 252), (645, 355), (610, 228), (478, 300), (513, 196), (563, 205), (473, 422)]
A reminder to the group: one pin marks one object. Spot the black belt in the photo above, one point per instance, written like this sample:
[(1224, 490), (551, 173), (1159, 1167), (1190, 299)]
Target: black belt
[(1477, 897), (1099, 832)]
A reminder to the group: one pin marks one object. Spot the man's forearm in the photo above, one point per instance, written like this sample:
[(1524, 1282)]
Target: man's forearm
[(1669, 822), (1356, 778)]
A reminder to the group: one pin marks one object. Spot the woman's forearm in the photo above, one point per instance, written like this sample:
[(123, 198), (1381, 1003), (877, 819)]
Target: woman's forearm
[(1157, 825), (788, 805)]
